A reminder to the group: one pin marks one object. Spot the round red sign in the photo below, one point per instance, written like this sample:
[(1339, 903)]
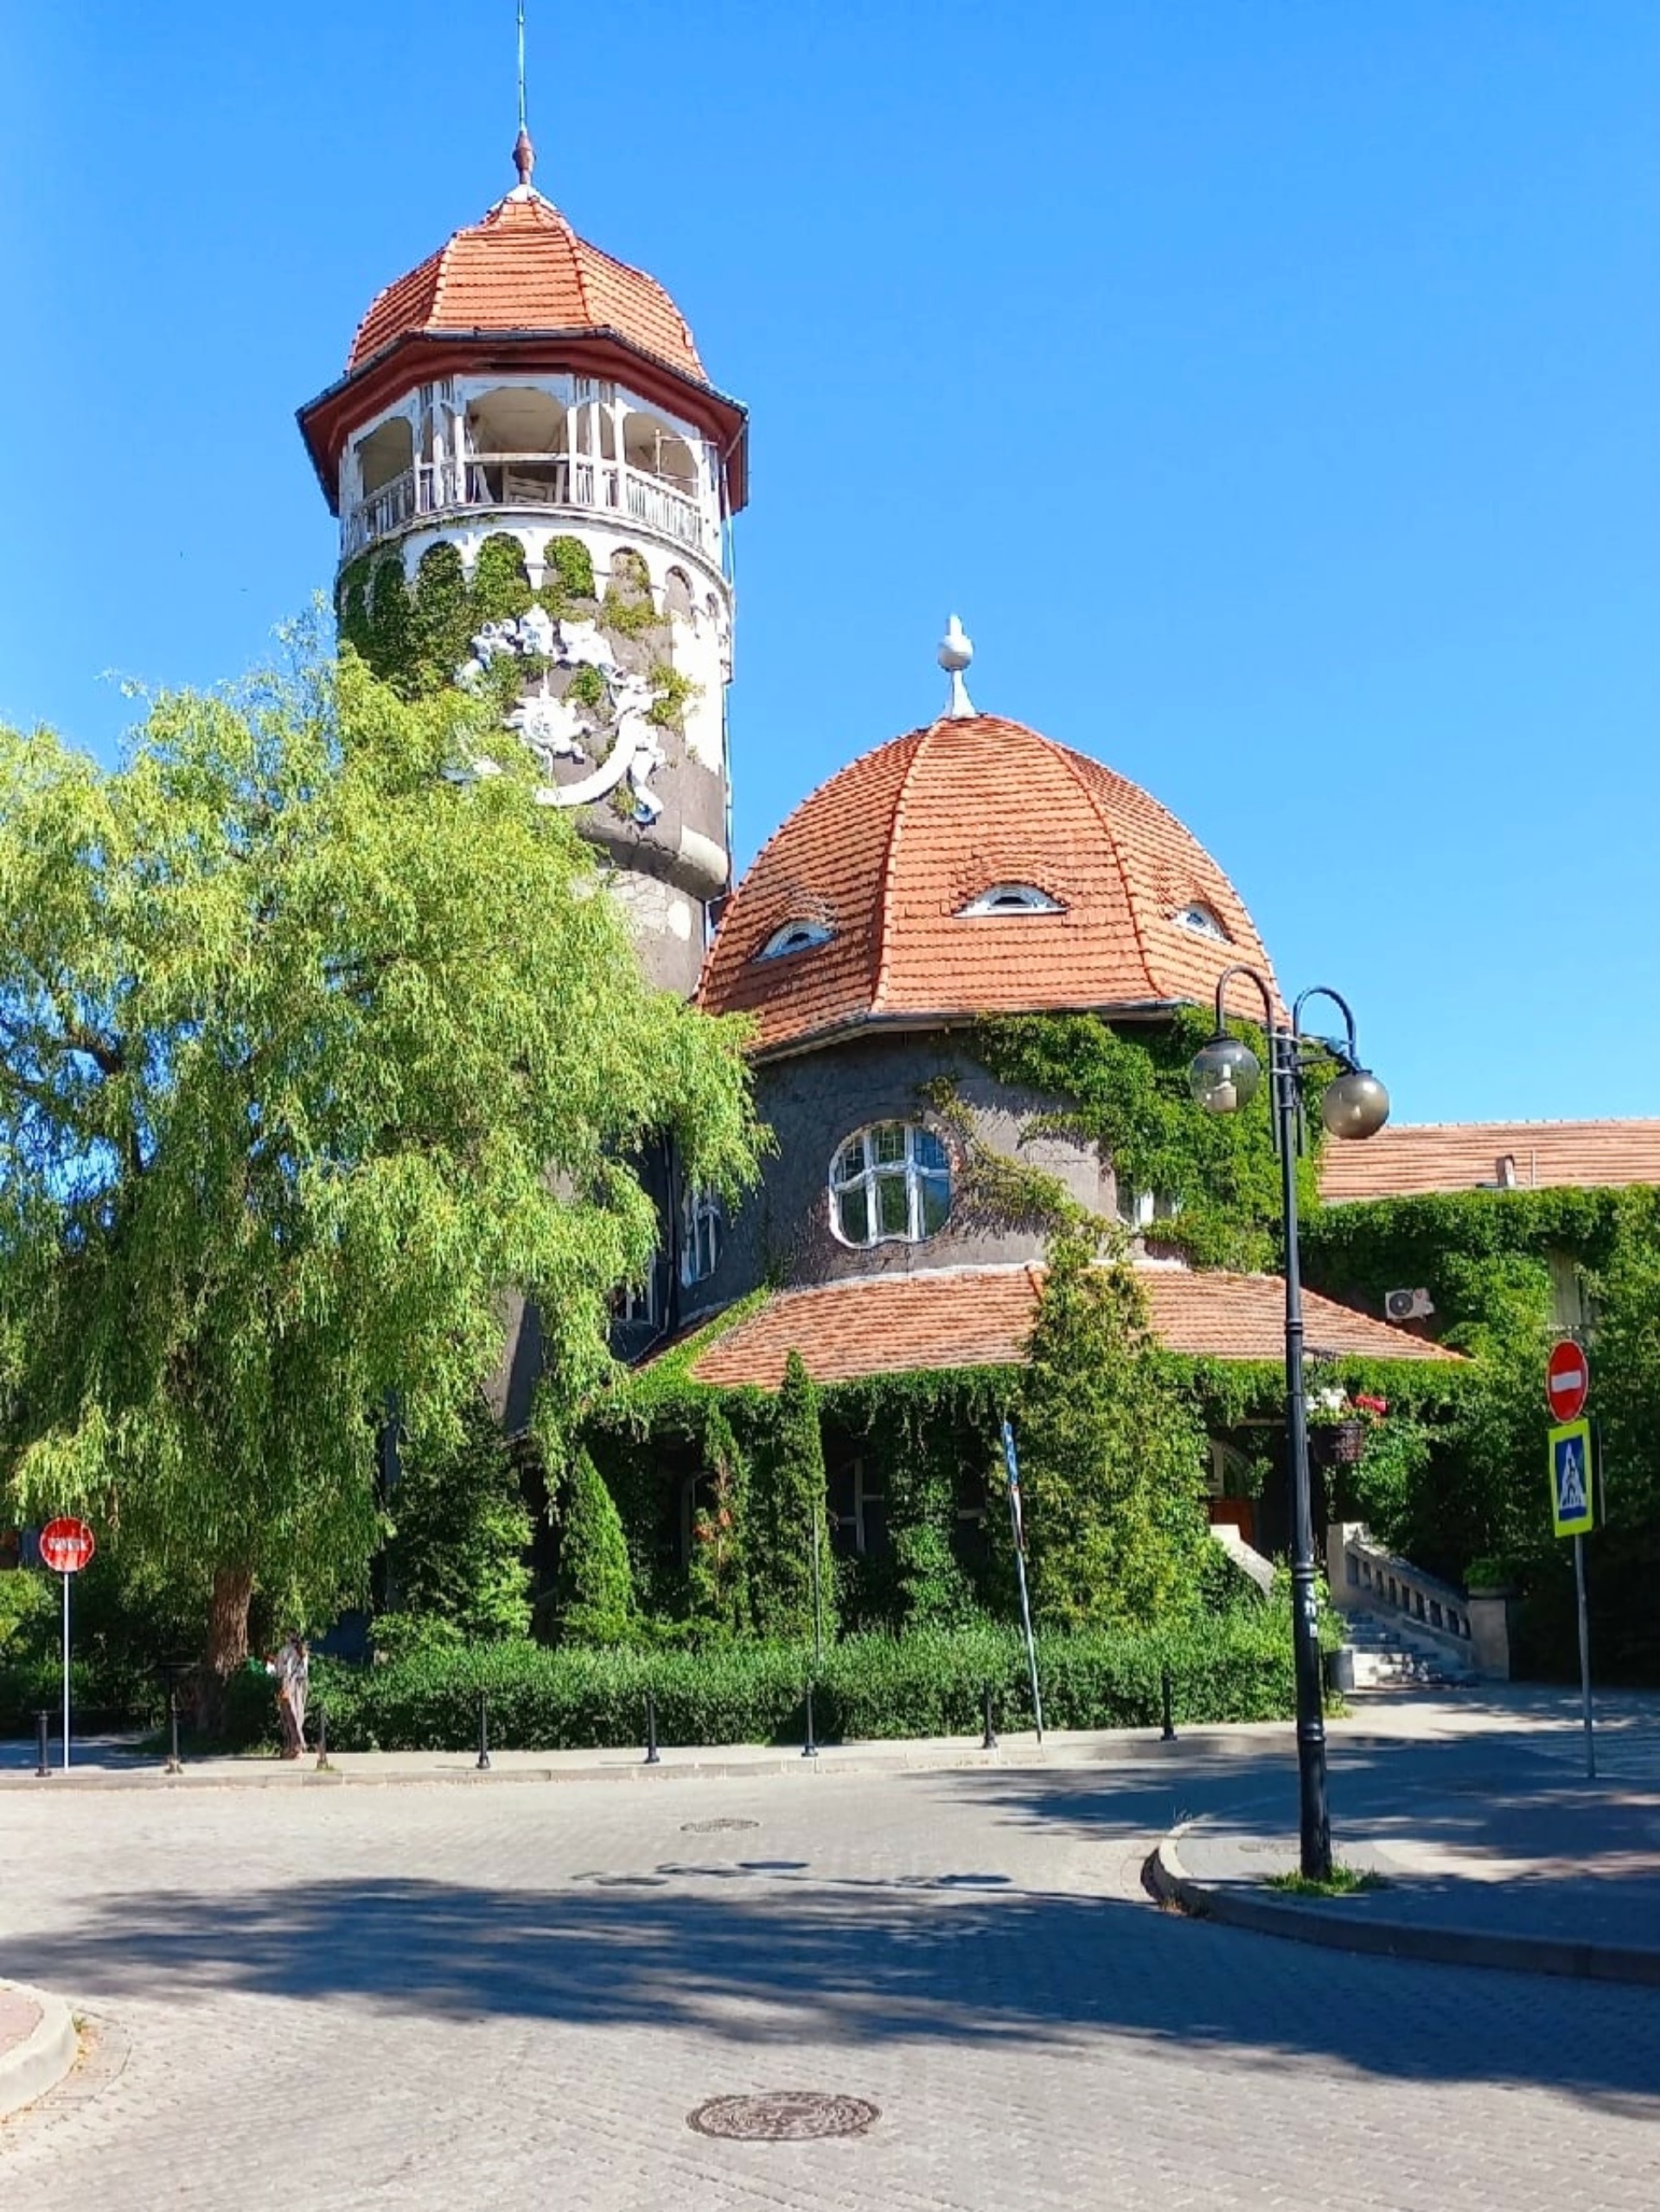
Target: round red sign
[(1568, 1379), (67, 1545)]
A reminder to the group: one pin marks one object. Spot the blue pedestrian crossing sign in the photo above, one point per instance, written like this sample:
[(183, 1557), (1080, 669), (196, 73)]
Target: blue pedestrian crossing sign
[(1572, 1510)]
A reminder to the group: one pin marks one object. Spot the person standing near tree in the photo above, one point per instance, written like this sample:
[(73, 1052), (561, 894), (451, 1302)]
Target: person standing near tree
[(292, 1668)]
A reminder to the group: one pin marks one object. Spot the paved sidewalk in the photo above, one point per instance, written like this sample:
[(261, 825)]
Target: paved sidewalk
[(1491, 1849)]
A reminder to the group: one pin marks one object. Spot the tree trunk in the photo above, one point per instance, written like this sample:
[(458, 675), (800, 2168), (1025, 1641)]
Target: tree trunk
[(227, 1641)]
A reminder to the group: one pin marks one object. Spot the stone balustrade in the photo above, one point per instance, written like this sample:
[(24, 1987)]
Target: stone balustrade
[(1365, 1577)]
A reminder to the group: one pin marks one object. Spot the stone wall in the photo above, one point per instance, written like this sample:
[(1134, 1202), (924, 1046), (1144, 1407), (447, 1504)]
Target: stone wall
[(782, 1235)]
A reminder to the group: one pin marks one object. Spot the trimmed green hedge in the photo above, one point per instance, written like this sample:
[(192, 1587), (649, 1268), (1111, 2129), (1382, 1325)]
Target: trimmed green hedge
[(930, 1683)]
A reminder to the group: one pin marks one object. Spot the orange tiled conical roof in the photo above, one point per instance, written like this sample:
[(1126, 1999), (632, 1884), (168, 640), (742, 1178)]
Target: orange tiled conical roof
[(524, 267), (888, 852)]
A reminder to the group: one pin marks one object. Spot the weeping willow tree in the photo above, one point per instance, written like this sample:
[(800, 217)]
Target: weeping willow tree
[(313, 1049)]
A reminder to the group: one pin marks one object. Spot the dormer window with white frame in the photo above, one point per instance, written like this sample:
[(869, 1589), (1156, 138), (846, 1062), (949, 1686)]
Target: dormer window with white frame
[(1202, 920), (890, 1184), (795, 937), (702, 1226), (1012, 898)]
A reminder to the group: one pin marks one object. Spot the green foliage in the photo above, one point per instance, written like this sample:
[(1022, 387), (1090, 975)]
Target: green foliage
[(459, 1557), (314, 1051), (587, 687), (571, 566), (501, 589), (931, 1683), (928, 1439), (628, 608), (443, 621), (391, 621), (718, 1573), (595, 1592), (1358, 1252), (1126, 1091), (788, 1516), (674, 693), (1112, 1455)]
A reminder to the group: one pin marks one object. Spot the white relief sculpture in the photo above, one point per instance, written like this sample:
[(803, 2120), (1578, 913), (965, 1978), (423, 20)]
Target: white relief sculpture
[(552, 728), (555, 726), (636, 756), (585, 645)]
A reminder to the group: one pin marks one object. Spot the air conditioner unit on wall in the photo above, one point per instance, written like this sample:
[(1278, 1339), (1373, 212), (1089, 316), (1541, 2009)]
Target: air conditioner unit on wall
[(1407, 1305)]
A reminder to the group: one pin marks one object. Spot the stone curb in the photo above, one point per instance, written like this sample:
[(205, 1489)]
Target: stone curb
[(30, 2069), (1063, 1750), (1338, 1928)]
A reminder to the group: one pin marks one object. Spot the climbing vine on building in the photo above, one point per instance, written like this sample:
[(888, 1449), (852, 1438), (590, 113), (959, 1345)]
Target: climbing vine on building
[(1125, 1089)]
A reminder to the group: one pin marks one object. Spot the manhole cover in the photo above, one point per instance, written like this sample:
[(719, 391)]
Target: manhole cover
[(783, 2116), (714, 1828)]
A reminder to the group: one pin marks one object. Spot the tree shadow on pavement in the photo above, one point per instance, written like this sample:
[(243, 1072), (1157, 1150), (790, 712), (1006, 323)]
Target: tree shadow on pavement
[(752, 1955), (1485, 1833)]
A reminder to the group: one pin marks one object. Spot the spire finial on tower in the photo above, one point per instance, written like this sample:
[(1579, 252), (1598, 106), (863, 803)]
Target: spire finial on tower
[(956, 651), (524, 153)]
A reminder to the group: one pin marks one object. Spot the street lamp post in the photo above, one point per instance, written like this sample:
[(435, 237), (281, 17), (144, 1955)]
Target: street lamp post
[(1224, 1075)]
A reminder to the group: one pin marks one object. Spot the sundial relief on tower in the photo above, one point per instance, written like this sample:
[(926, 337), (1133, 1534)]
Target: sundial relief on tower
[(535, 481)]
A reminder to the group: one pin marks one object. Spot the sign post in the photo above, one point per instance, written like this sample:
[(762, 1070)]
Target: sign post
[(1573, 1495), (1018, 1526), (67, 1545)]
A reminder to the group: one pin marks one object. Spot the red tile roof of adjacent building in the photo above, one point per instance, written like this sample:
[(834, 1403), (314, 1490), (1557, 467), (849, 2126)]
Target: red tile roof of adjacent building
[(890, 1324), (887, 853), (524, 267), (1409, 1160)]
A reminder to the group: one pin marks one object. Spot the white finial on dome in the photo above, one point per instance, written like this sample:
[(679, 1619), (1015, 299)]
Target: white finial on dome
[(956, 651)]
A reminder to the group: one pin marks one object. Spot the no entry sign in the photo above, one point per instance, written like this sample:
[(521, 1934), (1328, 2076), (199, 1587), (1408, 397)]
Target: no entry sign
[(1567, 1378), (67, 1545)]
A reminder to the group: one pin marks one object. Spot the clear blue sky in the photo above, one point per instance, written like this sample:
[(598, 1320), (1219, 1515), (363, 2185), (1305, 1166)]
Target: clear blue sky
[(1273, 388)]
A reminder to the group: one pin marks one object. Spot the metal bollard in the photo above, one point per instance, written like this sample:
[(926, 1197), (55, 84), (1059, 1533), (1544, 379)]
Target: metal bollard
[(809, 1750), (174, 1763), (1164, 1690), (483, 1761), (652, 1759), (324, 1764), (42, 1742), (988, 1741)]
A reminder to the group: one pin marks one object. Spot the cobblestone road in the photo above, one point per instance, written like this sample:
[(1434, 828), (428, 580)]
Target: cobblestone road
[(459, 1997)]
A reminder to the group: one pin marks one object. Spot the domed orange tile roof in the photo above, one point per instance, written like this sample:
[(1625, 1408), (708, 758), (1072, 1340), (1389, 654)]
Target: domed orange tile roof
[(887, 854), (524, 267)]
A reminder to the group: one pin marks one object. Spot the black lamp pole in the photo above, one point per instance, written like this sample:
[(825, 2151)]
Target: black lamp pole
[(1223, 1077), (1315, 1822)]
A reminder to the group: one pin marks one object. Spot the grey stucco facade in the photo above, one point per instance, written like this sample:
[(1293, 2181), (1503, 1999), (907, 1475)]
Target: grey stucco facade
[(783, 1236)]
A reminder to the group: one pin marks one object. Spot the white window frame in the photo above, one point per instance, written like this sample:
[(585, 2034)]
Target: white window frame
[(1204, 920), (916, 1173), (637, 1302), (864, 1495), (702, 1228), (1139, 1209), (800, 936), (1011, 898)]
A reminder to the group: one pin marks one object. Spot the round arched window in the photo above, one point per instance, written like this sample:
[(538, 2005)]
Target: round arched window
[(892, 1181)]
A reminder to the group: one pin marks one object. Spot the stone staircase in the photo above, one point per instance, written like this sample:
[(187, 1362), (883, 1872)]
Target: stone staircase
[(1389, 1656)]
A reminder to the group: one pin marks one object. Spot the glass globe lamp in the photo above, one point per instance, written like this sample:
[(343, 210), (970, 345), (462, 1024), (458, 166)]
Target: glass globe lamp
[(1224, 1075), (1357, 1105)]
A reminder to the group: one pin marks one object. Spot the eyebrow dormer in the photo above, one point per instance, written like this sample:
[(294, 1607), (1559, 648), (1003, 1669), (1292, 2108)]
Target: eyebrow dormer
[(1012, 898), (799, 936)]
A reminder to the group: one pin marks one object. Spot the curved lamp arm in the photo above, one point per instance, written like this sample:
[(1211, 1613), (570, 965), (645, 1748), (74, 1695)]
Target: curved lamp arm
[(1349, 1052), (1244, 967)]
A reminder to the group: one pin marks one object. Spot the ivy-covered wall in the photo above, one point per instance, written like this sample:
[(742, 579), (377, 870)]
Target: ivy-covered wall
[(1128, 1095)]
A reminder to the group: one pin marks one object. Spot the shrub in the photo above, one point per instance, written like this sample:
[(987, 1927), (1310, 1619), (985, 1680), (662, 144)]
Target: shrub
[(462, 1531), (594, 1591), (788, 1516), (1234, 1667)]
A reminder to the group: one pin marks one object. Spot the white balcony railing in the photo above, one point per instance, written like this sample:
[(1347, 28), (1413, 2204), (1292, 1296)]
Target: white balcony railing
[(534, 479)]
